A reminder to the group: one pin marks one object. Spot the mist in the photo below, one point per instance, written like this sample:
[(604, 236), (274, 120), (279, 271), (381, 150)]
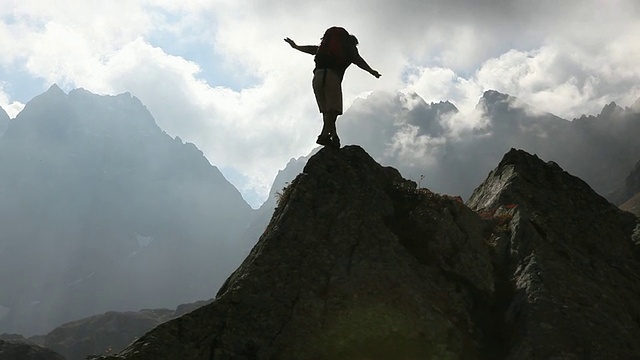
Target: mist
[(100, 210)]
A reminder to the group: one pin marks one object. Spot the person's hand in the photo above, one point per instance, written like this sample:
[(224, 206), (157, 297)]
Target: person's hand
[(290, 42), (375, 73)]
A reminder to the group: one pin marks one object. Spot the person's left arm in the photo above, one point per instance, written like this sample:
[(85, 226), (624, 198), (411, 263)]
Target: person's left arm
[(362, 64)]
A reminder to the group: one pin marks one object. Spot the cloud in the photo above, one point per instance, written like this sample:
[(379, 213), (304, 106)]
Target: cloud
[(11, 107), (217, 73), (413, 150)]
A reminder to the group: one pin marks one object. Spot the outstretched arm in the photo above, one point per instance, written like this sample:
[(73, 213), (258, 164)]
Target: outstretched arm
[(359, 61), (309, 49)]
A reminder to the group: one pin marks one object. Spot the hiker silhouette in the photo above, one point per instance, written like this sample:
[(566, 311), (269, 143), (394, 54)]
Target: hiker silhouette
[(337, 50)]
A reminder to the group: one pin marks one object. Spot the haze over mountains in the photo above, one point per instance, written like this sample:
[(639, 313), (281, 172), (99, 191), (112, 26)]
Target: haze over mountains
[(101, 210), (454, 151)]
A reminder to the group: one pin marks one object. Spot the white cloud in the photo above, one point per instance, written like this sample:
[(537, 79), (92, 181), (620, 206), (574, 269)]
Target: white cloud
[(11, 107), (443, 84), (567, 58), (408, 147)]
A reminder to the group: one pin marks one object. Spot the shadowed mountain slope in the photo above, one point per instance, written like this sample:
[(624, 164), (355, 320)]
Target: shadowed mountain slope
[(23, 351), (358, 263), (629, 188)]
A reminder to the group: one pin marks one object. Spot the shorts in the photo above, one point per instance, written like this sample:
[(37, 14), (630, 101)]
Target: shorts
[(327, 86)]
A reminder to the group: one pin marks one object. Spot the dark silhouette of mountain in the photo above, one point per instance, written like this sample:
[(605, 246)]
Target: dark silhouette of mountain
[(4, 121), (24, 351), (357, 262), (101, 210)]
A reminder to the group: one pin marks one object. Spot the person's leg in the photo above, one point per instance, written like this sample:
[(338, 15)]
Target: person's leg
[(328, 91), (333, 91), (325, 136), (321, 98), (330, 124), (329, 119)]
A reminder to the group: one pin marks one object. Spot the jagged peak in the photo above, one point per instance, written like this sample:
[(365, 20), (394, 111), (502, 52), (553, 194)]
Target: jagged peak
[(611, 109), (491, 99), (494, 96), (523, 178), (520, 157)]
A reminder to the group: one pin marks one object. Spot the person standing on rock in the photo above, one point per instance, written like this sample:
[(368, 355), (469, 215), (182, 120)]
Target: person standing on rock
[(337, 50)]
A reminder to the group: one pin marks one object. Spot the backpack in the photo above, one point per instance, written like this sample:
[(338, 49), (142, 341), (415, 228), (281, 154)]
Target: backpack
[(333, 52)]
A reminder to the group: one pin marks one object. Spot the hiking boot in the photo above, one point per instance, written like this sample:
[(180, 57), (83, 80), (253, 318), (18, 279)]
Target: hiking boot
[(323, 140), (335, 142)]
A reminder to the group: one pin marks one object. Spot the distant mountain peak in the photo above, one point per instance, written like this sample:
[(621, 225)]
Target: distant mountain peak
[(495, 101), (611, 109), (55, 89), (494, 96)]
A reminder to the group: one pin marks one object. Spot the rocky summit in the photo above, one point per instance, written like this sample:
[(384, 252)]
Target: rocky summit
[(567, 264), (359, 263)]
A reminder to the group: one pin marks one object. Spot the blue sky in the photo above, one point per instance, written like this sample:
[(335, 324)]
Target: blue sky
[(217, 72)]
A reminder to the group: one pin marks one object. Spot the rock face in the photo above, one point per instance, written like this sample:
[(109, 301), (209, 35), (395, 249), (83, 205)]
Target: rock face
[(262, 216), (359, 263), (572, 271), (22, 351)]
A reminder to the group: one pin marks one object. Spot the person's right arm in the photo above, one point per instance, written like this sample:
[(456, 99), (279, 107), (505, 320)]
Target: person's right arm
[(309, 49)]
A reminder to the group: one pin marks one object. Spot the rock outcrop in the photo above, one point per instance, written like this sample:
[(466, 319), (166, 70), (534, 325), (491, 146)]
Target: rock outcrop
[(570, 270), (359, 263)]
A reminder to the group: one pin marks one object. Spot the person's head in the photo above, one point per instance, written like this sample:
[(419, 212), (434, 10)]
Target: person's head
[(335, 29)]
